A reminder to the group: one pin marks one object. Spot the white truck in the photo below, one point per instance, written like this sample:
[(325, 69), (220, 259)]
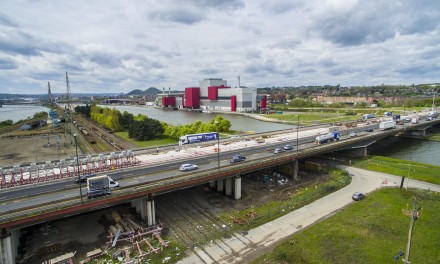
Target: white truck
[(414, 120), (100, 186), (101, 182), (387, 125)]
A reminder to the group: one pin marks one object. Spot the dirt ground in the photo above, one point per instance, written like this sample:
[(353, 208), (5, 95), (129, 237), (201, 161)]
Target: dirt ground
[(190, 217), (26, 150)]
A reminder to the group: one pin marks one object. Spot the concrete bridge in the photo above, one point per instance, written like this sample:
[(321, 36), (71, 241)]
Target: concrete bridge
[(141, 184)]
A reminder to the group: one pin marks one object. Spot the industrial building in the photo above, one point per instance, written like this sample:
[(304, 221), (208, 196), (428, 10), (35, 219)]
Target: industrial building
[(213, 94)]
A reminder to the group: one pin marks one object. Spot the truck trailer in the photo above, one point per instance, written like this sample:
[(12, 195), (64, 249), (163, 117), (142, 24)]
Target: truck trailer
[(327, 137), (387, 125)]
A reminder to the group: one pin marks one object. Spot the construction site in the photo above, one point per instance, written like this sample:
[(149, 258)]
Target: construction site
[(186, 219)]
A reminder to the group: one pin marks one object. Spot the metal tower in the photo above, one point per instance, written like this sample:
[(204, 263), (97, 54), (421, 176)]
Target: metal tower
[(49, 94)]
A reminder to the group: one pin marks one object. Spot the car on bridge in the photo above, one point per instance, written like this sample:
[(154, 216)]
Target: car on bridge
[(353, 134), (188, 167), (278, 150), (370, 130), (357, 196), (237, 158), (97, 193), (83, 178), (288, 147)]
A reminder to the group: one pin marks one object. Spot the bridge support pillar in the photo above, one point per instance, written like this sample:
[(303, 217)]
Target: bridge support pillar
[(237, 189), (228, 186), (212, 184), (137, 205), (8, 245), (364, 152), (220, 185), (143, 207), (151, 211), (295, 169)]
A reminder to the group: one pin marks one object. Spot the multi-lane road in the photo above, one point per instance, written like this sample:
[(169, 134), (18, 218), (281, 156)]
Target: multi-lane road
[(50, 193)]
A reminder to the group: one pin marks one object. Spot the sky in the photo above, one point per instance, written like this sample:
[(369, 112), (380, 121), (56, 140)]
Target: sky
[(109, 46)]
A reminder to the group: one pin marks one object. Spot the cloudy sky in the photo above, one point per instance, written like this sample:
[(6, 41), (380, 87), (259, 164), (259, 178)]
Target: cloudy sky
[(118, 46)]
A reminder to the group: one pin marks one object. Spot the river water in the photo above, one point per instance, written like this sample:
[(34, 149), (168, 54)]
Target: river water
[(420, 150), (19, 112), (238, 122)]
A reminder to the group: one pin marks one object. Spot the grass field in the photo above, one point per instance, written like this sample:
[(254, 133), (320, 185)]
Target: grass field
[(263, 213), (313, 117), (149, 143), (398, 167), (370, 231)]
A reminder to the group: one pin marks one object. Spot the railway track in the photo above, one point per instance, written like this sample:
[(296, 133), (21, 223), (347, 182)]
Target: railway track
[(112, 141)]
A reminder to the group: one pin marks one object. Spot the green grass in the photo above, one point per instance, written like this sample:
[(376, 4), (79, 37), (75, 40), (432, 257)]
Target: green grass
[(398, 167), (434, 137), (149, 143), (310, 118), (370, 231), (276, 208)]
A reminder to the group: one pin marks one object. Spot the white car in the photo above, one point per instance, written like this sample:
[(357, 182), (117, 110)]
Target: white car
[(353, 134), (188, 167)]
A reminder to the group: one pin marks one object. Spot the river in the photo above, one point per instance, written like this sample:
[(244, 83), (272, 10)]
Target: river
[(19, 112), (420, 150), (238, 122)]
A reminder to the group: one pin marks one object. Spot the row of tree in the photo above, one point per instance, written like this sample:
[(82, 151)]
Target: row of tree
[(142, 128)]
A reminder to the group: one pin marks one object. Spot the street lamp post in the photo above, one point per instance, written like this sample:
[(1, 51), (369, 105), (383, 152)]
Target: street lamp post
[(297, 131), (77, 163), (218, 145)]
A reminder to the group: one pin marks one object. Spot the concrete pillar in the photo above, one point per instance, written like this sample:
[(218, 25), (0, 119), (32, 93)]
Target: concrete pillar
[(8, 245), (295, 169), (144, 208), (365, 152), (228, 186), (151, 210), (237, 189), (137, 204), (220, 185), (149, 215), (212, 184)]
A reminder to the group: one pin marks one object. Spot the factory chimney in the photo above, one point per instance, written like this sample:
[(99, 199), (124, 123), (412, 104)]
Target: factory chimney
[(238, 80)]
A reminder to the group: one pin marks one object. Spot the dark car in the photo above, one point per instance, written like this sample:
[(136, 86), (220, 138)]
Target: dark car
[(97, 193), (370, 130), (83, 178), (237, 158), (357, 196)]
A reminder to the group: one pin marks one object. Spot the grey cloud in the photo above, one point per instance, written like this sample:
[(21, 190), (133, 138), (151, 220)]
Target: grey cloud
[(22, 43), (281, 6), (183, 16), (372, 22), (209, 72), (8, 64), (268, 67), (6, 21), (222, 4)]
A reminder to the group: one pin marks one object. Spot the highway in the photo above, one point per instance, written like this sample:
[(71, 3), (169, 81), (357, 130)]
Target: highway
[(50, 194)]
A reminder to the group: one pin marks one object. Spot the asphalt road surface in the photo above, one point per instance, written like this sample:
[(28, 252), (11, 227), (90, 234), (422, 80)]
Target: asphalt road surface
[(245, 247)]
